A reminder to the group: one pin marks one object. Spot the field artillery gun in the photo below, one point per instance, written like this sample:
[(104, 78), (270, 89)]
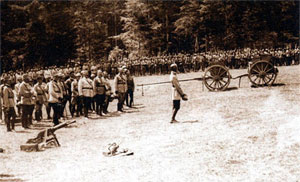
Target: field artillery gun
[(261, 72), (45, 139)]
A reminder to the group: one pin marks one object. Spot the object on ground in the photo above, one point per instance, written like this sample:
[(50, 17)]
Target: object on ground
[(114, 150), (1, 150), (45, 139)]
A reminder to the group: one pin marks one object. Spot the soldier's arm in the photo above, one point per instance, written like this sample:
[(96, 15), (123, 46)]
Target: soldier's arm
[(80, 88), (5, 97), (94, 84), (177, 86), (116, 84)]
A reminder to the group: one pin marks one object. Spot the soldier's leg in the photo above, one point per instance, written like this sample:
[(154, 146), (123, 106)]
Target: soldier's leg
[(102, 104), (56, 113), (48, 110), (7, 118), (107, 97), (97, 100), (126, 97), (31, 109), (176, 107), (24, 117), (131, 98), (13, 120)]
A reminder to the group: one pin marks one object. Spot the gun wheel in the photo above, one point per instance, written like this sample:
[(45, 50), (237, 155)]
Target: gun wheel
[(216, 78), (262, 73)]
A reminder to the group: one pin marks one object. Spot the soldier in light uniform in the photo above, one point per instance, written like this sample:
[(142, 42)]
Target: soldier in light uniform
[(177, 92), (26, 95), (107, 91), (40, 98), (9, 105), (55, 98), (99, 90), (61, 83), (17, 89), (120, 88), (85, 90), (76, 102)]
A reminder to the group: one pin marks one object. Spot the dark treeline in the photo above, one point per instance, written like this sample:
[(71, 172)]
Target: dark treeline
[(45, 33)]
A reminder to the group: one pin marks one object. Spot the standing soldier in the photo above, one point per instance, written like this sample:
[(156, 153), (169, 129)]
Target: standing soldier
[(68, 84), (120, 88), (40, 98), (26, 95), (99, 91), (107, 91), (61, 84), (55, 98), (46, 89), (177, 92), (85, 90), (9, 105), (76, 102), (17, 89), (1, 95), (130, 88)]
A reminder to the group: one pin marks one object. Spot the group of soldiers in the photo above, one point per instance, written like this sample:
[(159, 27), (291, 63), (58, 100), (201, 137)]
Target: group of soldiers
[(234, 59), (83, 91)]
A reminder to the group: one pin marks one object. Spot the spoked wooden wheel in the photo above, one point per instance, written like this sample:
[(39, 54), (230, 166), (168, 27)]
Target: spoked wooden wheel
[(262, 73), (216, 78)]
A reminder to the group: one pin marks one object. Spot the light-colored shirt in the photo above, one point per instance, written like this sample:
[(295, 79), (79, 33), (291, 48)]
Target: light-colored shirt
[(176, 89)]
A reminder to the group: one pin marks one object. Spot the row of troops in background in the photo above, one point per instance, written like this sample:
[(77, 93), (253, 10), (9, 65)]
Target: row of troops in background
[(84, 91), (233, 59)]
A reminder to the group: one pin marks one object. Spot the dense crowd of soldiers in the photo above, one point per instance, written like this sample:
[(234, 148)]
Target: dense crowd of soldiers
[(83, 91), (87, 88), (233, 59)]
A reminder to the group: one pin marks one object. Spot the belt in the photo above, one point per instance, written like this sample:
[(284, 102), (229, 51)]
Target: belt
[(87, 88), (10, 97)]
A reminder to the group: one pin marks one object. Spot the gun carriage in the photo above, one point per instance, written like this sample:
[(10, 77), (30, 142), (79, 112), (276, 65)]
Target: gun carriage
[(261, 72)]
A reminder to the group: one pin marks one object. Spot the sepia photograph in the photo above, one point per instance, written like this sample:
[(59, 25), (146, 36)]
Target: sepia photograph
[(149, 91)]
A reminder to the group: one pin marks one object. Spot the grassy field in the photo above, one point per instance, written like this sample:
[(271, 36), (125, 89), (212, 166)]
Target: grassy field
[(244, 134)]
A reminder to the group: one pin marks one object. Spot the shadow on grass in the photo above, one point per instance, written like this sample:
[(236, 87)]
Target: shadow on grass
[(190, 121), (9, 178), (231, 88)]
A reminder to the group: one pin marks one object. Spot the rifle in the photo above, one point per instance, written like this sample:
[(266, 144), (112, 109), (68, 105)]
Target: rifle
[(45, 139)]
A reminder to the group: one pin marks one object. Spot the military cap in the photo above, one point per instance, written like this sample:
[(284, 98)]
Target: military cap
[(25, 76), (78, 75), (173, 65), (84, 72)]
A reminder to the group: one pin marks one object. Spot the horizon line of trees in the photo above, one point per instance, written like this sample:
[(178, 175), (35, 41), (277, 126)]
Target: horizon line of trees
[(45, 33)]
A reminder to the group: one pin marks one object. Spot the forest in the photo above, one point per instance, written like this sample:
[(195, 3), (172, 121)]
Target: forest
[(45, 33)]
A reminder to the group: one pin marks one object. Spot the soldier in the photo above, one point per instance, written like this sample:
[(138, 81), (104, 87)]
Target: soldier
[(76, 102), (85, 90), (99, 90), (61, 83), (68, 84), (40, 98), (46, 89), (120, 88), (130, 88), (17, 88), (107, 92), (1, 95), (55, 98), (26, 96), (177, 92), (9, 105)]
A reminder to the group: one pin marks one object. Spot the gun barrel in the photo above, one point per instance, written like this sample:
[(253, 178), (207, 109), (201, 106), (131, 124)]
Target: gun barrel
[(62, 125)]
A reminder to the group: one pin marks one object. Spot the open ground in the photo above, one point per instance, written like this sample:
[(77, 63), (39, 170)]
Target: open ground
[(243, 134)]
